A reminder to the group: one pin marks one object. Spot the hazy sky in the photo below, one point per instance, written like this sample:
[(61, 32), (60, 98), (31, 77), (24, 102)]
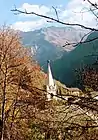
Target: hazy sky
[(68, 11)]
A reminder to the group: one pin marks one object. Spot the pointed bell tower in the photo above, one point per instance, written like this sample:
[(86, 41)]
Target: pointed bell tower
[(51, 87)]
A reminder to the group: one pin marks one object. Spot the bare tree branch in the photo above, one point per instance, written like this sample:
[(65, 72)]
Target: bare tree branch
[(94, 13), (93, 4), (56, 12), (81, 42), (53, 19)]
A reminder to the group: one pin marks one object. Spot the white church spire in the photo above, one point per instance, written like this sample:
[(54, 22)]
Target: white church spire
[(51, 87), (50, 77)]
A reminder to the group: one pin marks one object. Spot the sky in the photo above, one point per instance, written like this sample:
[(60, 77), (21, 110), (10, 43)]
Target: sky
[(72, 11)]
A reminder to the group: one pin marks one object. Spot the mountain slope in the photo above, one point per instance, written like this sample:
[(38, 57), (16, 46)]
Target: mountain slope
[(40, 47), (47, 43), (64, 68)]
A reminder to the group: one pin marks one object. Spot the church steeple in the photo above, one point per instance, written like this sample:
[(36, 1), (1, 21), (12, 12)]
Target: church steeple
[(50, 77), (51, 87)]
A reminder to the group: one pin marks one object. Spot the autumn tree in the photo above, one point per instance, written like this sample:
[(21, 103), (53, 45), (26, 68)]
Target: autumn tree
[(19, 77), (87, 78)]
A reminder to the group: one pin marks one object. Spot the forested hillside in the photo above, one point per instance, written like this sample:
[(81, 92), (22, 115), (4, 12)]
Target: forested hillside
[(64, 69)]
